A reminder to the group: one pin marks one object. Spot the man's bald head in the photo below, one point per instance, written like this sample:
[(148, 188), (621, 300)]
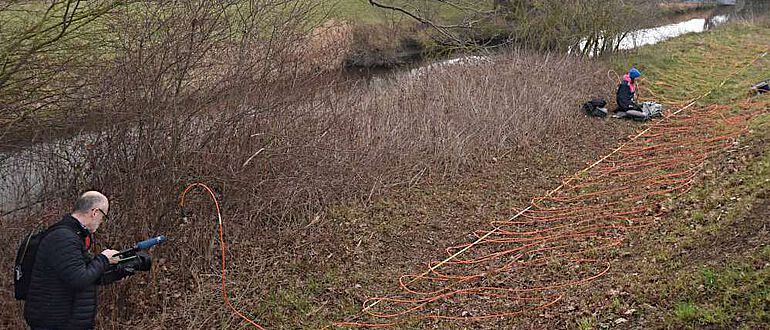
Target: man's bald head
[(91, 200), (90, 209)]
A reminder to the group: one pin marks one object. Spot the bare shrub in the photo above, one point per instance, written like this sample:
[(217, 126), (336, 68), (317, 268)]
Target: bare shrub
[(542, 25), (439, 123), (47, 50), (176, 74), (383, 45), (328, 46), (276, 166), (186, 99)]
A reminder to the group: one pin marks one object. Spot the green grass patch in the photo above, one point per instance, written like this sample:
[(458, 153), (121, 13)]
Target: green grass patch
[(283, 305), (717, 291), (360, 11), (733, 294), (718, 61), (694, 315), (686, 312), (586, 323), (709, 265), (709, 279)]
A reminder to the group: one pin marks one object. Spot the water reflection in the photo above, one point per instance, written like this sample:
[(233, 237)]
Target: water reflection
[(655, 35), (708, 20)]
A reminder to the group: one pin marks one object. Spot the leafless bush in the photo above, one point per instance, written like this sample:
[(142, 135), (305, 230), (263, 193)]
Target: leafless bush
[(276, 166), (542, 25), (383, 46), (186, 99), (174, 76), (599, 23), (437, 122), (48, 52)]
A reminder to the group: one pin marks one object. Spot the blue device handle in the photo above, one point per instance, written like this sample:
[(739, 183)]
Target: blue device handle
[(148, 243)]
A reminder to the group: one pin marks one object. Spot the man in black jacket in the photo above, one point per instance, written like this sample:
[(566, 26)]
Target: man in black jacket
[(63, 287)]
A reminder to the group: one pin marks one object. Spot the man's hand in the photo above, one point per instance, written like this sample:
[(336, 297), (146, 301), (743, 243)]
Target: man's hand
[(110, 256)]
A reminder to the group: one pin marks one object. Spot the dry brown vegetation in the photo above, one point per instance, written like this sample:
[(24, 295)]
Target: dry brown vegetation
[(184, 98), (542, 25), (683, 7), (278, 164)]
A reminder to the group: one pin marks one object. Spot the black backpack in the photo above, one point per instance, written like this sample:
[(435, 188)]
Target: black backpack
[(591, 108), (25, 260)]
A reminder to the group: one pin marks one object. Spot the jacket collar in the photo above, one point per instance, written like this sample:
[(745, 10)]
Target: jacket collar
[(630, 83), (70, 221)]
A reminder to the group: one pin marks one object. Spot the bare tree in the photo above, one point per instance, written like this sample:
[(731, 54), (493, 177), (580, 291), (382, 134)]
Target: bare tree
[(539, 24), (466, 15), (45, 49)]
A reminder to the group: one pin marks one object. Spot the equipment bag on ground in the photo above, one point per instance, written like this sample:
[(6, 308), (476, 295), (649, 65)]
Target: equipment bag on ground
[(652, 109), (761, 87), (595, 107)]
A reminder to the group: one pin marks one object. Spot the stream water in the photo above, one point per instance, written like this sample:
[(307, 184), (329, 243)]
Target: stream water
[(21, 175), (704, 22), (697, 22)]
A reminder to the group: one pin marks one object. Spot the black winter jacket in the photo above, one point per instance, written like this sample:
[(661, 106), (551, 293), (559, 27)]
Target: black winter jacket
[(63, 288), (625, 98)]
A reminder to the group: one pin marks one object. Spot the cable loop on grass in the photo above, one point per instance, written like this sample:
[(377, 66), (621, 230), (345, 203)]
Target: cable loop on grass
[(565, 239)]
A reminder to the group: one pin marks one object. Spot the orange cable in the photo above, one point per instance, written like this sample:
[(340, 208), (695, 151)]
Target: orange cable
[(223, 249)]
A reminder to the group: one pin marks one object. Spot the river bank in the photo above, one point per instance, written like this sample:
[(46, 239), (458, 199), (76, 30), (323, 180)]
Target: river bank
[(311, 274), (701, 263), (400, 173), (398, 48)]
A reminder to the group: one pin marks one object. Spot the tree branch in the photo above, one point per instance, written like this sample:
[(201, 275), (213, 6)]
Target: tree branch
[(438, 27)]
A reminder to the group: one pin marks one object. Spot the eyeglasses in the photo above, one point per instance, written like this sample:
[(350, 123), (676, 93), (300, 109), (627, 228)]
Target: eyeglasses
[(106, 218)]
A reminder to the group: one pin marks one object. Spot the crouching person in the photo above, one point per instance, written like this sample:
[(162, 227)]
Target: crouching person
[(626, 97)]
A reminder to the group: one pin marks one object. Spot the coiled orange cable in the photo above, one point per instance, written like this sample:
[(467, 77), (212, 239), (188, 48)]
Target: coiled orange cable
[(589, 212)]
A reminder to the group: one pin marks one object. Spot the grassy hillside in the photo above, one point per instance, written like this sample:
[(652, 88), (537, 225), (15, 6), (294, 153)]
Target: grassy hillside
[(707, 265), (703, 264), (390, 173), (358, 11)]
